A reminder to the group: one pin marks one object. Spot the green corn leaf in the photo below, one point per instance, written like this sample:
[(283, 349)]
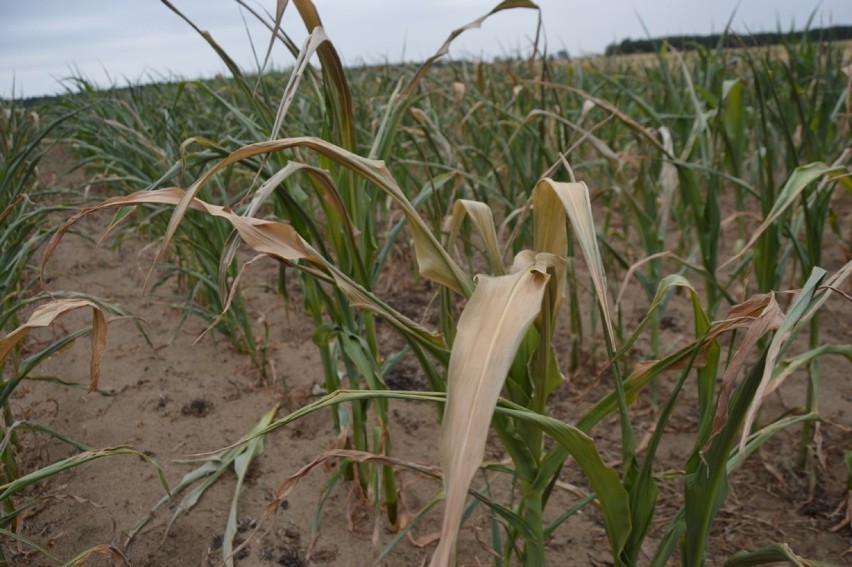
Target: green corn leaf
[(604, 479), (20, 483), (706, 482), (252, 449), (798, 181), (775, 553)]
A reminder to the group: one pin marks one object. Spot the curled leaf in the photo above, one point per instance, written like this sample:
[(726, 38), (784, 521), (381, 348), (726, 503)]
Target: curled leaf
[(760, 315)]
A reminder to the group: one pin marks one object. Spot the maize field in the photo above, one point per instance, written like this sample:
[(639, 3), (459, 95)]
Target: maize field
[(528, 312)]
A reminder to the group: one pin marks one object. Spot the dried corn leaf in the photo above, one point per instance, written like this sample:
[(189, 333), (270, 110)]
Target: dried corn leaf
[(760, 315), (433, 261), (268, 237), (490, 331), (110, 552), (574, 198), (289, 484), (483, 220), (314, 40), (275, 239), (46, 314), (280, 6), (668, 182)]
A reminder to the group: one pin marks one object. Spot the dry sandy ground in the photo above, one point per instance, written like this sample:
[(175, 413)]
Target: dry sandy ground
[(181, 398)]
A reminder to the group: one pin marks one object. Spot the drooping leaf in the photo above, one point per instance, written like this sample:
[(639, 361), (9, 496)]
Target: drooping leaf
[(46, 314), (574, 198), (445, 48), (268, 237), (433, 261), (276, 239), (13, 487), (483, 220)]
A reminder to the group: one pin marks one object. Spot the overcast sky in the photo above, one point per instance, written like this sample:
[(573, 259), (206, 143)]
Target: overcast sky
[(107, 41)]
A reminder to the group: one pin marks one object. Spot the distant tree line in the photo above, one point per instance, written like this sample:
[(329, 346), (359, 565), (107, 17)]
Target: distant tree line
[(729, 39)]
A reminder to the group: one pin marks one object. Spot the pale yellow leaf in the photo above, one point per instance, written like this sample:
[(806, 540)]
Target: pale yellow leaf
[(483, 220), (574, 198), (490, 330)]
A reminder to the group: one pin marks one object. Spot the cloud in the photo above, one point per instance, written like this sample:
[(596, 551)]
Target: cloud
[(41, 40)]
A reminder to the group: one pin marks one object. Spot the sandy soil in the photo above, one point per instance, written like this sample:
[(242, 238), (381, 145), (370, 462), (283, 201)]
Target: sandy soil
[(182, 398)]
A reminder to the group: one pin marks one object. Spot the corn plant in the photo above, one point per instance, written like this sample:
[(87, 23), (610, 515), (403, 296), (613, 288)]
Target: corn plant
[(134, 137), (806, 117), (14, 482), (25, 207), (22, 231)]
